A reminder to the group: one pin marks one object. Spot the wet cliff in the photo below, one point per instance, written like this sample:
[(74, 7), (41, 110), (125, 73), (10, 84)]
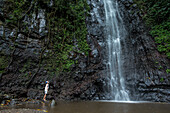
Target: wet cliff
[(144, 67), (24, 61)]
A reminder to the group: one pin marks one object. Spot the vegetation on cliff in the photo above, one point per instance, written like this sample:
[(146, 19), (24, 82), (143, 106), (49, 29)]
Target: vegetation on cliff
[(63, 35), (157, 18)]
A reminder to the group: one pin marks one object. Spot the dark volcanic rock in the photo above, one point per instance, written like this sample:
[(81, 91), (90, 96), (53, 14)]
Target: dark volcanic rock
[(142, 60), (145, 79)]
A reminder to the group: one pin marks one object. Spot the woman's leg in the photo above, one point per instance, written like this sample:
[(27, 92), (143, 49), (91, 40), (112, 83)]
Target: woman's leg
[(44, 97)]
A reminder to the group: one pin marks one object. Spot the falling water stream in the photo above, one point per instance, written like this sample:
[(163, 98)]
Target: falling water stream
[(115, 32)]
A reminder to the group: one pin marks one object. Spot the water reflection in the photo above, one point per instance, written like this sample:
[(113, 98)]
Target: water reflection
[(110, 107), (101, 107)]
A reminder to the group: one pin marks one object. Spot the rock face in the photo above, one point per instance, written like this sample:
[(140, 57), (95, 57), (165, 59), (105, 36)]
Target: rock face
[(144, 66), (85, 81)]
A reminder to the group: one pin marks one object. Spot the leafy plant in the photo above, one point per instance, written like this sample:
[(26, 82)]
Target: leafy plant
[(162, 79), (168, 71), (156, 16), (160, 67)]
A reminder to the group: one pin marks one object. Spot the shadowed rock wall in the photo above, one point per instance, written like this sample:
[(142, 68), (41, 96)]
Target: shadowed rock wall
[(144, 66)]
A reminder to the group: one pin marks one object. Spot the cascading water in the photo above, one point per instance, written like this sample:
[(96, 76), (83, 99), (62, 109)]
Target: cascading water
[(115, 32)]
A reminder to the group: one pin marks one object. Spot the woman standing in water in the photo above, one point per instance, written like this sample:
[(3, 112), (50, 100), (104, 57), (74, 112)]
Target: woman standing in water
[(46, 90)]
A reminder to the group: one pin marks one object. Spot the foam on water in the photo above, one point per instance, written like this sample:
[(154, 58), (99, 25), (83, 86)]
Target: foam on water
[(115, 101)]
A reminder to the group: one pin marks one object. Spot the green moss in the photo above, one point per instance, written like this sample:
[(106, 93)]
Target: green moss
[(168, 71), (156, 16), (65, 32), (156, 62), (4, 60), (70, 35), (162, 79), (25, 68), (162, 37), (160, 67)]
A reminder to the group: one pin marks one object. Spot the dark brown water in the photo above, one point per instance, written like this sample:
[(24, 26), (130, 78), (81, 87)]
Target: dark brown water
[(103, 107)]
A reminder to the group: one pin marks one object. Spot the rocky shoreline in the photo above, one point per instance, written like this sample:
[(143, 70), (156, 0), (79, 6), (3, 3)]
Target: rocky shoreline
[(6, 102), (22, 111), (20, 105)]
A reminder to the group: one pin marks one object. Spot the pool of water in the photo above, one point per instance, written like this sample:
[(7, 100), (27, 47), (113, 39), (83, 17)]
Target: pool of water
[(103, 107)]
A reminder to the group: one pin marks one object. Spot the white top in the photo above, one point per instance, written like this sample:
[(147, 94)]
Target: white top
[(46, 87)]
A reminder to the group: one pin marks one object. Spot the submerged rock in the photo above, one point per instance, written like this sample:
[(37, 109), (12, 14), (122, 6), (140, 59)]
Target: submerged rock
[(53, 103)]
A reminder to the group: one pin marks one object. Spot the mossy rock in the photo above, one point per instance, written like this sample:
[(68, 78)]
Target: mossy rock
[(4, 60)]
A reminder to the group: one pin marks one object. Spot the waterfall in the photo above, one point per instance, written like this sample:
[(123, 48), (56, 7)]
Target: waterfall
[(115, 32)]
